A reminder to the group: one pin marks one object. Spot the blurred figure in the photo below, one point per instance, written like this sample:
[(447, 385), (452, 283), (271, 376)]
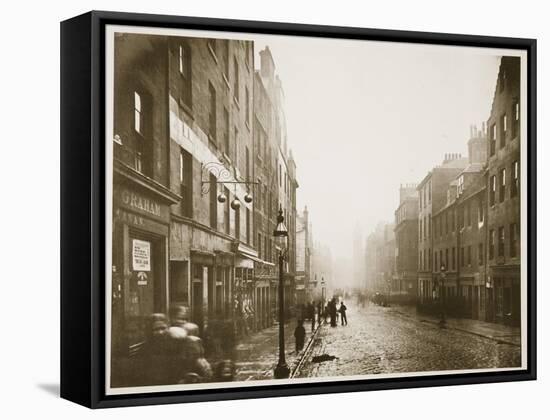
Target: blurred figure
[(299, 336), (179, 317), (151, 363), (342, 311)]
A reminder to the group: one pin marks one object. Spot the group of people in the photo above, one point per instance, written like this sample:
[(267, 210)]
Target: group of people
[(319, 312), (174, 353)]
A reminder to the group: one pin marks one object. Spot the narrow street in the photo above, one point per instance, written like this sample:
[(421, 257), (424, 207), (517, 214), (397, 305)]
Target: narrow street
[(386, 340)]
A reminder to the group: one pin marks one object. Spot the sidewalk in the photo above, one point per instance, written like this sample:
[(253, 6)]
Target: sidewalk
[(258, 354), (497, 332)]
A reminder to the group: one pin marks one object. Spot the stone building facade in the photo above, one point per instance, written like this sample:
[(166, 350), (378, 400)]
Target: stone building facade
[(459, 236), (196, 186), (503, 194), (405, 279)]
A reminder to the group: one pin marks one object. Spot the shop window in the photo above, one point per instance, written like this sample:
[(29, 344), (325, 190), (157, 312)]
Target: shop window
[(179, 283)]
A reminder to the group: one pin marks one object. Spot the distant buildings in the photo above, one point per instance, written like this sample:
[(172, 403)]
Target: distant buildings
[(467, 222), (405, 279)]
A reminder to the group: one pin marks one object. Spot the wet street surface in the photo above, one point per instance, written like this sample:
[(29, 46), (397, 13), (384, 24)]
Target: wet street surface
[(385, 340), (257, 355)]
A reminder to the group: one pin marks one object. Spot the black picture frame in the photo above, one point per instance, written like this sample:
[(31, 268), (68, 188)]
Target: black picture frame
[(83, 203)]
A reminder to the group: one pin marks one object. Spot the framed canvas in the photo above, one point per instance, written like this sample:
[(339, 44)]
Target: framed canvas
[(257, 209)]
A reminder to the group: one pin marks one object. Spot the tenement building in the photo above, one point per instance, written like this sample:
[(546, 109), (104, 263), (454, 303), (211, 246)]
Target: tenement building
[(432, 192), (459, 229), (503, 194), (200, 169), (275, 174), (405, 278)]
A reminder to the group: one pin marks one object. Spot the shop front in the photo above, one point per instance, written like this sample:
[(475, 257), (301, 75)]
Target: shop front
[(139, 257)]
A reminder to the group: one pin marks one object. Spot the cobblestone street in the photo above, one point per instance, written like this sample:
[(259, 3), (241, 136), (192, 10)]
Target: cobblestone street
[(257, 354), (386, 340)]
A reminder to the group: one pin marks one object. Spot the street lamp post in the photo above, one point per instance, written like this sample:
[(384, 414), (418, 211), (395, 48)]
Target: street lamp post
[(281, 236), (442, 321)]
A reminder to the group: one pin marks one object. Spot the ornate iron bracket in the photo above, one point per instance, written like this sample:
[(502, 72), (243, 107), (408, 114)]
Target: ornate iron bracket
[(223, 176)]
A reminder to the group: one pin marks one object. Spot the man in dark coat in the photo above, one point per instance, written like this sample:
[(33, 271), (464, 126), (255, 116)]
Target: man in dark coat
[(342, 311), (300, 335)]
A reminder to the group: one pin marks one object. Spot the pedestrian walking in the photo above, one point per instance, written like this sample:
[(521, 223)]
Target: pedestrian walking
[(343, 316), (300, 335)]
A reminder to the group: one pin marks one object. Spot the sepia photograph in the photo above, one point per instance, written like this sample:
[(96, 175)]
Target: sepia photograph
[(288, 209)]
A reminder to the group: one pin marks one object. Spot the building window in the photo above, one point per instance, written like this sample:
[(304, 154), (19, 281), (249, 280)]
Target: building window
[(480, 254), (480, 211), (514, 186), (462, 257), (248, 226), (186, 181), (491, 244), (513, 240), (236, 80), (469, 255), (502, 190), (184, 69), (138, 122), (493, 139), (501, 241), (212, 112), (492, 189), (515, 121), (214, 202), (447, 258), (503, 130), (468, 214), (237, 223)]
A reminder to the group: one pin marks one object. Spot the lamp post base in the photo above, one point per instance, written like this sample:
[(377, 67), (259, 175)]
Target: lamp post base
[(281, 371)]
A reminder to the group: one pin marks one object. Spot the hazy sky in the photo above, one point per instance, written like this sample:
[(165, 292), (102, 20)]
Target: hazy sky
[(364, 117)]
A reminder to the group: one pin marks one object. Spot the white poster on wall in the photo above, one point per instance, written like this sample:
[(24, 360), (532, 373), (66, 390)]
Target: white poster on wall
[(141, 255)]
